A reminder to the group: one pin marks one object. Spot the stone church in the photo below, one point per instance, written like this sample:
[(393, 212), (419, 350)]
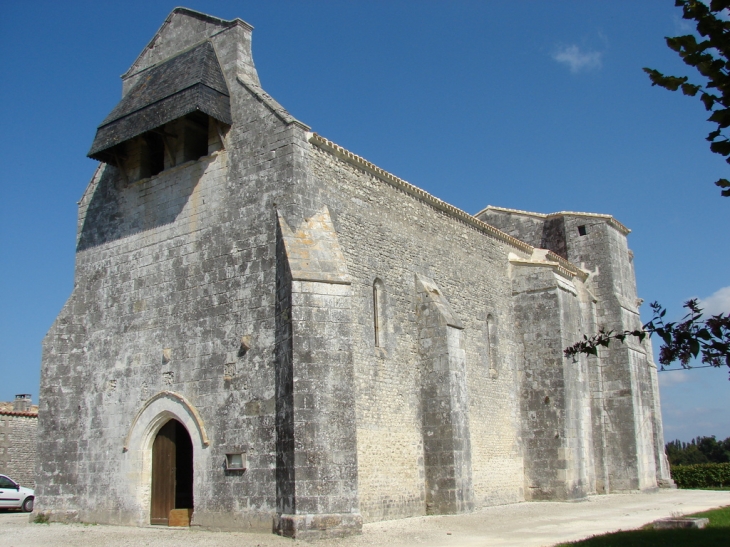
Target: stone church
[(269, 332)]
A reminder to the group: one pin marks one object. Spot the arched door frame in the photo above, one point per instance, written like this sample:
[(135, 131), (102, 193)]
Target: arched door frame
[(154, 413)]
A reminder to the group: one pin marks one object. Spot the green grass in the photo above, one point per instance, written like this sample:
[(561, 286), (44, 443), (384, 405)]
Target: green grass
[(717, 534)]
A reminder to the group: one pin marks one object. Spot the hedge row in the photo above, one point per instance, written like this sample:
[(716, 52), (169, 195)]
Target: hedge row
[(701, 475)]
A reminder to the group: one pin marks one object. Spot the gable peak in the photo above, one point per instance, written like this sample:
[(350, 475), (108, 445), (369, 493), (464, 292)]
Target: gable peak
[(182, 29)]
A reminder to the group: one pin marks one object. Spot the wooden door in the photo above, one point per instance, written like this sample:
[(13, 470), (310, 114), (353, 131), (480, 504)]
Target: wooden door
[(172, 472), (164, 464)]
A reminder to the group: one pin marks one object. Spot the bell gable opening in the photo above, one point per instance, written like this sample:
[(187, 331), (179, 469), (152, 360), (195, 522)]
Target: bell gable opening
[(177, 111)]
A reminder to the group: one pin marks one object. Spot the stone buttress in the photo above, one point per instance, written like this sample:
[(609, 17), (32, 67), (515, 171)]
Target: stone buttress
[(555, 398), (408, 362), (444, 404), (316, 434), (628, 439)]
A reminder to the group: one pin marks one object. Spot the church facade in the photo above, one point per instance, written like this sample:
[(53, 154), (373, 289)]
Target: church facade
[(269, 332)]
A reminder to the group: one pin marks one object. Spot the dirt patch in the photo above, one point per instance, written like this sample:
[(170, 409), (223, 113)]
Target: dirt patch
[(519, 525)]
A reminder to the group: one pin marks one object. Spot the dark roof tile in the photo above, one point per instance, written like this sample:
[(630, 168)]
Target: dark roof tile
[(190, 81)]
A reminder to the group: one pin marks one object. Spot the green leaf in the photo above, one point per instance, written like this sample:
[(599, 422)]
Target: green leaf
[(690, 89), (721, 147), (719, 5), (720, 117), (709, 101), (686, 43), (694, 347), (671, 83), (724, 183)]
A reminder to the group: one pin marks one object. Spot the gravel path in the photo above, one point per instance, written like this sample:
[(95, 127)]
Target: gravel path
[(519, 525)]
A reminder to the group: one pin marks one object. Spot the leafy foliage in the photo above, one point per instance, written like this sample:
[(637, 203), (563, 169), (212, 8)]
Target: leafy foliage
[(701, 475), (710, 56), (681, 341), (693, 336), (699, 450)]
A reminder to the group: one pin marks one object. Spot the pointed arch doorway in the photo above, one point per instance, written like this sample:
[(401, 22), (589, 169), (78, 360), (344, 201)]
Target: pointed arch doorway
[(172, 472)]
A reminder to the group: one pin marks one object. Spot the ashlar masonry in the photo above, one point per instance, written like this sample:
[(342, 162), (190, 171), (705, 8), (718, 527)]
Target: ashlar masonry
[(268, 331)]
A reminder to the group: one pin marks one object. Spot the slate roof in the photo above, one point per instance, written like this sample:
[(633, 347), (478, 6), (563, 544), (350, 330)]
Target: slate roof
[(190, 81)]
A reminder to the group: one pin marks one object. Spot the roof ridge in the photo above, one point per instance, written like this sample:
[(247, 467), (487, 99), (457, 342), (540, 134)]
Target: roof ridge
[(190, 13), (273, 105), (206, 17), (417, 192), (610, 218)]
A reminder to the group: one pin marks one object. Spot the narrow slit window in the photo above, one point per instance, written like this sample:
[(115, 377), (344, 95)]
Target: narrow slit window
[(582, 230), (491, 353), (378, 313)]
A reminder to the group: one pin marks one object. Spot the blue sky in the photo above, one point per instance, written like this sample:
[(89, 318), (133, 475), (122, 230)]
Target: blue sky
[(536, 105)]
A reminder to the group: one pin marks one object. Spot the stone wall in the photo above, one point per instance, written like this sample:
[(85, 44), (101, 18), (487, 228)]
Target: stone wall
[(627, 434), (390, 236), (555, 398), (171, 273), (18, 439), (317, 454), (374, 352)]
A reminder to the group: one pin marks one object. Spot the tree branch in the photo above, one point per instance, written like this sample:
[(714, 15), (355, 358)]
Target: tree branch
[(681, 341)]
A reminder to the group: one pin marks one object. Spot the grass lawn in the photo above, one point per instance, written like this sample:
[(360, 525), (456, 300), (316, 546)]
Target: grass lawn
[(717, 534)]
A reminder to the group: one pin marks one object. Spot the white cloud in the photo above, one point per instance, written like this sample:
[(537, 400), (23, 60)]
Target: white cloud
[(576, 59), (718, 302), (672, 378), (683, 26)]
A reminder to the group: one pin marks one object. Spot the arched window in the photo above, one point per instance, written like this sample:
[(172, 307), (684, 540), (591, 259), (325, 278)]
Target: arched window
[(379, 312), (491, 349)]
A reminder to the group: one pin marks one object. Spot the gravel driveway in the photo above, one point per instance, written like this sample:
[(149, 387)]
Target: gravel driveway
[(519, 525)]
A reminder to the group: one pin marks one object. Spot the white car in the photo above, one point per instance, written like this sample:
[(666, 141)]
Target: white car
[(12, 495)]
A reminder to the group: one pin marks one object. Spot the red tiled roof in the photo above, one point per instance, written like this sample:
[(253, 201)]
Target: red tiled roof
[(28, 413)]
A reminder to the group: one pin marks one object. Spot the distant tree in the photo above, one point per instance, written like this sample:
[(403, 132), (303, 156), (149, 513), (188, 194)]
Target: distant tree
[(679, 453), (715, 451), (699, 450), (710, 56)]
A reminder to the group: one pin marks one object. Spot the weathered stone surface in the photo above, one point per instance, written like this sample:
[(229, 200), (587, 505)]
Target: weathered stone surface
[(680, 522), (446, 442), (373, 351), (627, 429), (18, 440)]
